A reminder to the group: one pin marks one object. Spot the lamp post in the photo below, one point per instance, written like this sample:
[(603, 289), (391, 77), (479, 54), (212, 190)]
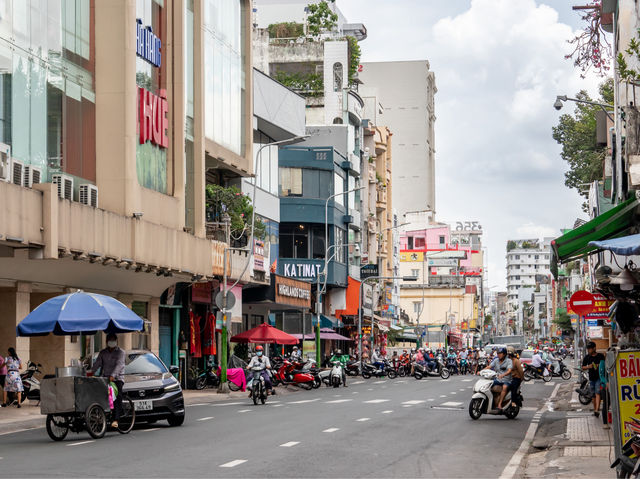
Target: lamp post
[(226, 322), (372, 278), (560, 98)]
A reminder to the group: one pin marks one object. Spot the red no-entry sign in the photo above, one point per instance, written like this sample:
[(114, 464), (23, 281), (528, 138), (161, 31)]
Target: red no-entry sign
[(582, 302)]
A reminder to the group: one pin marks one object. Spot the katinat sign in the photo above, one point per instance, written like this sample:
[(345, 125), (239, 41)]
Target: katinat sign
[(148, 45), (152, 117), (306, 270)]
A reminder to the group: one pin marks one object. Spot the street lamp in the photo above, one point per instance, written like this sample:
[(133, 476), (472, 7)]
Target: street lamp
[(560, 98), (373, 278), (223, 387)]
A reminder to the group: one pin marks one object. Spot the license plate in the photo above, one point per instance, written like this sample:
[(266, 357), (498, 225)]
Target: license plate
[(143, 405)]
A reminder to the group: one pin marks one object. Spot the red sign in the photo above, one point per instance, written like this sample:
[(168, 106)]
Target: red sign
[(152, 116), (582, 302)]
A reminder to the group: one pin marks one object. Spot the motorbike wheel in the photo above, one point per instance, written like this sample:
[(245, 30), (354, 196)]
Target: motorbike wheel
[(546, 378), (201, 383), (366, 374), (445, 373), (254, 394), (402, 372), (307, 386), (512, 411), (263, 393), (584, 399), (352, 372), (527, 376), (57, 426), (96, 421), (475, 408), (392, 374), (317, 382), (566, 374), (417, 375), (336, 382), (233, 386)]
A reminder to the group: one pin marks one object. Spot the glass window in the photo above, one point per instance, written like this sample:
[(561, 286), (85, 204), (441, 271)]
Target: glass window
[(145, 363), (311, 183), (339, 242), (294, 241), (318, 246), (419, 243), (338, 187), (188, 53), (442, 238), (415, 273), (290, 182), (417, 306)]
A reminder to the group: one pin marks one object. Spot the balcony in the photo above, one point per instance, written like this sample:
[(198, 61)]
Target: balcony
[(381, 198)]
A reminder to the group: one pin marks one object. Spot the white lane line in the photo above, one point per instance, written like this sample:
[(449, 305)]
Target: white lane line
[(197, 404), (462, 390), (443, 395), (354, 392), (376, 401), (407, 405), (205, 418), (388, 411), (227, 404), (363, 419), (21, 430), (304, 401), (430, 399), (290, 444), (454, 392), (277, 405), (79, 443), (529, 409), (152, 429), (379, 382), (235, 463), (511, 468), (244, 410), (451, 403), (274, 402), (467, 380), (337, 395), (401, 381), (370, 389), (550, 383), (415, 401), (332, 429), (337, 401), (357, 382)]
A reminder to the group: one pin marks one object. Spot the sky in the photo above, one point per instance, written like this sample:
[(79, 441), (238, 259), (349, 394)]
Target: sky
[(499, 65)]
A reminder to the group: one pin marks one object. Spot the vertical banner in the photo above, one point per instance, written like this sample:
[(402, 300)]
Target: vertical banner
[(628, 384), (209, 344), (195, 346)]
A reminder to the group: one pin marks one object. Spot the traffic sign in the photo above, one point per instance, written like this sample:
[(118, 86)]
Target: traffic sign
[(230, 303), (582, 302)]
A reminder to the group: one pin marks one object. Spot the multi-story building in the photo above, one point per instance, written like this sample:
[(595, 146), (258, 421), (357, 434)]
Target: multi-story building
[(116, 116), (528, 263), (406, 90)]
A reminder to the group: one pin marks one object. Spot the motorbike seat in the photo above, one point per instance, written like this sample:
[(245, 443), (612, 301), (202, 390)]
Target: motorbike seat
[(496, 389)]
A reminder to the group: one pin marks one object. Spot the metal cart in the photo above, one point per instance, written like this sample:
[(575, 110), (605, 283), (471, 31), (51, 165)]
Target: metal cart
[(77, 403)]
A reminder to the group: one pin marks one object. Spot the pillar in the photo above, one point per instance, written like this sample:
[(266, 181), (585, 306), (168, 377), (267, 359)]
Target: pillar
[(124, 340), (14, 306), (154, 317)]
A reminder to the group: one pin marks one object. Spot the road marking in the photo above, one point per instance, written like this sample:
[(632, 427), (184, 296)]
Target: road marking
[(337, 395), (332, 429), (80, 443), (451, 404), (244, 410), (528, 409), (415, 401), (21, 430), (454, 392), (277, 405), (388, 411), (354, 392), (205, 418), (235, 463), (197, 404), (337, 401), (467, 380), (227, 404), (152, 429), (274, 402), (462, 390), (431, 399), (290, 444), (443, 395), (550, 383), (447, 408), (363, 419), (304, 401), (407, 405), (512, 467), (376, 401), (370, 389), (379, 382), (401, 381), (358, 382)]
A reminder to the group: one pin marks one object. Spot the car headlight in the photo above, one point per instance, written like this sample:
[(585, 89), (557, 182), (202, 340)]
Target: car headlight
[(172, 387)]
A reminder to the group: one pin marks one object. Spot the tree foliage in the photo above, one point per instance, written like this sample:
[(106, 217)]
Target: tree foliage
[(321, 18), (286, 30), (577, 135), (221, 200), (354, 57), (591, 47), (563, 320)]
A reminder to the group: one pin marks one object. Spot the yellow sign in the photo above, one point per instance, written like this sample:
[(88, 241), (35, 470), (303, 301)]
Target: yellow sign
[(628, 378), (412, 257)]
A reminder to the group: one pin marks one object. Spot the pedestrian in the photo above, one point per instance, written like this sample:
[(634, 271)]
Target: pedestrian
[(591, 363), (3, 372), (12, 381)]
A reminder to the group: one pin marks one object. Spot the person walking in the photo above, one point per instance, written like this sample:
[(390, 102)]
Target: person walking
[(3, 372), (12, 381), (591, 363)]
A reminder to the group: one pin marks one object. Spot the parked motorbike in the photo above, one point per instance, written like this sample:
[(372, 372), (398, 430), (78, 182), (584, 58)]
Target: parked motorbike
[(353, 368), (207, 378), (485, 396), (421, 370), (628, 462), (532, 373), (288, 374), (258, 386), (584, 391), (369, 370)]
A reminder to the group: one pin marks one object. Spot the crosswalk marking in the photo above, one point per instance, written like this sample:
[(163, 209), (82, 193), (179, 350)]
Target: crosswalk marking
[(79, 443), (414, 401), (363, 419), (235, 463), (467, 380), (304, 401), (376, 401), (451, 404), (337, 401), (205, 418), (388, 411), (332, 429), (290, 444)]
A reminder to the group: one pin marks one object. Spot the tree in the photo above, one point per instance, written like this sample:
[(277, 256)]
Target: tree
[(591, 47), (577, 135), (563, 320), (321, 18), (221, 200)]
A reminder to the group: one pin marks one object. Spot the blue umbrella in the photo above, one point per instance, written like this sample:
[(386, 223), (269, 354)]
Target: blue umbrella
[(79, 313)]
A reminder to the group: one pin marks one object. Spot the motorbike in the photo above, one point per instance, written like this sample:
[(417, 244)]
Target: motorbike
[(353, 368), (258, 387), (421, 370), (584, 391), (404, 368), (628, 462), (452, 365), (207, 378), (369, 370), (563, 371), (333, 375), (485, 396), (288, 374), (30, 384), (532, 373), (464, 366)]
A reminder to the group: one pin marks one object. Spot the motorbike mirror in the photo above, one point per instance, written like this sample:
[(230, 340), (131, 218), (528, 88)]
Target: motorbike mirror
[(174, 369)]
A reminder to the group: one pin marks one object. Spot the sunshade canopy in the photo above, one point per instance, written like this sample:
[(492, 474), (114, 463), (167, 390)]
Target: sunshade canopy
[(79, 313), (325, 333), (626, 245), (264, 334), (611, 224), (327, 322)]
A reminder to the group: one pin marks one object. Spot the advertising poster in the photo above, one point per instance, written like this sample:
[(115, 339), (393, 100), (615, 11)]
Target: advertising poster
[(628, 379)]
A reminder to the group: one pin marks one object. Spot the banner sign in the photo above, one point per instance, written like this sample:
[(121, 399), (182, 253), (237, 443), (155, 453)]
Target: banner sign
[(368, 270), (628, 377), (148, 45), (152, 117)]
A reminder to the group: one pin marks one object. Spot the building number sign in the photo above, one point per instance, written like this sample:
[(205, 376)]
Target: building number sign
[(468, 226)]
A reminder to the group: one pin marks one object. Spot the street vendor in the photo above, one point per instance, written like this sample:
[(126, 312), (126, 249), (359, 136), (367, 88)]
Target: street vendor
[(111, 360)]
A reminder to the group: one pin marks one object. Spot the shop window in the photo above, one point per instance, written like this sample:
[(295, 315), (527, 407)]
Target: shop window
[(419, 242), (290, 182)]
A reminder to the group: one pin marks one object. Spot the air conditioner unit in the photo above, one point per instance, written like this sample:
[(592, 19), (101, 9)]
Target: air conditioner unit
[(32, 176), (89, 195), (17, 172), (5, 162), (65, 186)]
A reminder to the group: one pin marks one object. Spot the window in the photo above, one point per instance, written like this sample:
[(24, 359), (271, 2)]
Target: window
[(517, 266), (339, 241), (318, 244), (415, 273), (337, 76), (517, 277), (290, 182), (417, 306), (535, 257), (410, 242), (294, 241), (419, 242), (441, 240), (338, 187), (316, 183), (517, 256)]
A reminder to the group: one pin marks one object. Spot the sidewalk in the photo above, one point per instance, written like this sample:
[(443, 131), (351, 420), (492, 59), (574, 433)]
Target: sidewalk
[(28, 416), (570, 441)]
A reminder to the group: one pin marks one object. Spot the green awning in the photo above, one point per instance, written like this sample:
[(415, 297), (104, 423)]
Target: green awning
[(611, 224)]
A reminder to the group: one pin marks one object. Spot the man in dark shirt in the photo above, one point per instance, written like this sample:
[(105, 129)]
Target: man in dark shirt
[(591, 363), (111, 363)]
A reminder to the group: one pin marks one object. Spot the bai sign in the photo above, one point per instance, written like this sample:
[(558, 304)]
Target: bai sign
[(628, 383), (152, 117)]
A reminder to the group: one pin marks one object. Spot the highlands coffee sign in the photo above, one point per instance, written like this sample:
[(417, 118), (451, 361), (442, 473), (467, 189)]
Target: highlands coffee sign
[(292, 292)]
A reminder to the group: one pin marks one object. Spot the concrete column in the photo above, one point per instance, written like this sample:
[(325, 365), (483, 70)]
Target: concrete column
[(154, 317), (199, 169), (50, 204), (124, 340)]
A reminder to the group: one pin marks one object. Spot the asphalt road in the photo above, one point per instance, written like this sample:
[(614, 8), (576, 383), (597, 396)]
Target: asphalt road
[(373, 428)]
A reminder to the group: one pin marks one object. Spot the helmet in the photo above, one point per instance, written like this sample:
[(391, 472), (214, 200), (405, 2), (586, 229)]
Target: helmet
[(546, 348), (295, 348), (338, 352), (511, 350), (502, 350), (259, 348)]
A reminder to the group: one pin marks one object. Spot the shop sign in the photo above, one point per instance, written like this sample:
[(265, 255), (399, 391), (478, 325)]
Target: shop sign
[(148, 45), (594, 332), (412, 257), (217, 250), (291, 292), (258, 255), (305, 270), (368, 270), (600, 308), (201, 292), (628, 384), (152, 117), (442, 262)]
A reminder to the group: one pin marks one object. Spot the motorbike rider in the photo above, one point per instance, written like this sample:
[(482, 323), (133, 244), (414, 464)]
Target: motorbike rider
[(296, 355), (503, 366), (462, 357), (517, 372), (452, 360), (376, 359), (261, 361), (537, 362), (343, 359), (430, 360)]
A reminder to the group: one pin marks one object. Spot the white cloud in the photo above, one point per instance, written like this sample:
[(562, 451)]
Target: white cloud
[(531, 230)]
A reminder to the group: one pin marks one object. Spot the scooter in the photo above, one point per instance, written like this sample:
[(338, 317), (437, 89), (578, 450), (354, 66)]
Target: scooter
[(287, 374), (420, 370), (452, 365), (207, 378), (485, 396), (584, 391), (353, 368), (532, 373), (336, 374), (464, 366), (563, 371), (369, 370), (628, 462), (258, 387)]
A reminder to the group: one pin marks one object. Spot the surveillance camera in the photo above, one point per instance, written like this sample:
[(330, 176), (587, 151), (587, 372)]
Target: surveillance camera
[(557, 105)]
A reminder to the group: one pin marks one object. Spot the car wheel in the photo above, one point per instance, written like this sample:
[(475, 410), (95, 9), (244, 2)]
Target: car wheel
[(175, 421)]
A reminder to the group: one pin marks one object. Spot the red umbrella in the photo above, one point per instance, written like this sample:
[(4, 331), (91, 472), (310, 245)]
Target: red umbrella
[(264, 334)]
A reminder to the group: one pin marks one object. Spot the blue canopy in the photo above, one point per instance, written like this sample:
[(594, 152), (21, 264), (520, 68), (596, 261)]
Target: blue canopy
[(626, 246), (79, 313)]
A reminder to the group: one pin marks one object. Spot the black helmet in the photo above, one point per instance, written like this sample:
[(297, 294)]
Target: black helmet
[(502, 350)]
